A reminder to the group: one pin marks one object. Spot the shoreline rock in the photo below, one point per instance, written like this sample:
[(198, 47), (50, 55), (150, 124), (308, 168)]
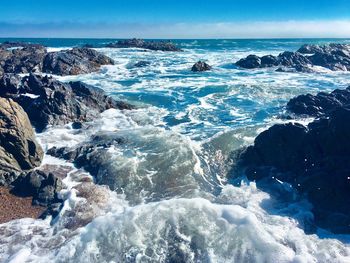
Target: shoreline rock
[(314, 159), (146, 44), (48, 101), (19, 150), (74, 62)]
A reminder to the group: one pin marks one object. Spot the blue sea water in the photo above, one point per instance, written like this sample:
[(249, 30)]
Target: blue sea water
[(175, 203)]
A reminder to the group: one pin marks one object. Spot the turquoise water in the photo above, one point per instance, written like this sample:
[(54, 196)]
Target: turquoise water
[(175, 203)]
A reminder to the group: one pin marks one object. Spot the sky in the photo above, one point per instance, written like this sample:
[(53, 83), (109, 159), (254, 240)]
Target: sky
[(175, 18)]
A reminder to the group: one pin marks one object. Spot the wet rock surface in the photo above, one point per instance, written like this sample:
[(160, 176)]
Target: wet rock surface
[(313, 159), (140, 43), (200, 66), (321, 104), (335, 57), (21, 57), (48, 101), (75, 61), (19, 150)]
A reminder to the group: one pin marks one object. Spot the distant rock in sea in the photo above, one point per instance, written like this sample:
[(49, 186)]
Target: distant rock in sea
[(200, 66), (335, 57), (146, 44)]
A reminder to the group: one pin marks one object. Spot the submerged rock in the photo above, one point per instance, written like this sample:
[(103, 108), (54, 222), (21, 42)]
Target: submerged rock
[(142, 64), (313, 159), (140, 43), (75, 61), (200, 66), (321, 104), (19, 151), (48, 101)]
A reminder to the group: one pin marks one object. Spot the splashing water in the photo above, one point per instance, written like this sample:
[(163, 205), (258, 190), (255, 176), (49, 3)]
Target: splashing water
[(166, 197)]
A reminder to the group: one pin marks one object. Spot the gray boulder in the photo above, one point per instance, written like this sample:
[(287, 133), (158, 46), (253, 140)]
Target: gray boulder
[(75, 61)]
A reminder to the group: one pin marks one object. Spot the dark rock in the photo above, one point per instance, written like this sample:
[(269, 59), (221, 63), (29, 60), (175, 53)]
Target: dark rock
[(310, 49), (24, 59), (320, 104), (43, 187), (77, 125), (142, 64), (333, 56), (250, 62), (313, 159), (200, 66), (19, 150), (292, 59), (75, 61), (140, 43), (269, 61), (50, 102)]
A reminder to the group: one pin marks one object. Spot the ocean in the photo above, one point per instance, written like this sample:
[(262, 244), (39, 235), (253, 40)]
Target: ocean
[(167, 196)]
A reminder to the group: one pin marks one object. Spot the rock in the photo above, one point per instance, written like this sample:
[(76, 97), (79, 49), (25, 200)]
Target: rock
[(142, 64), (77, 125), (24, 59), (250, 62), (75, 61), (320, 104), (313, 159), (140, 43), (335, 57), (310, 49), (48, 101), (269, 61), (19, 150), (200, 66), (292, 59), (44, 189)]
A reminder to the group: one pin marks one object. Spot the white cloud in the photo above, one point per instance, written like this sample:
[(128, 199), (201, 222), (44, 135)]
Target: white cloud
[(267, 29)]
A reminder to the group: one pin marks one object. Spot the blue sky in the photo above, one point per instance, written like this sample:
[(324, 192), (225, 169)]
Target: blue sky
[(175, 18)]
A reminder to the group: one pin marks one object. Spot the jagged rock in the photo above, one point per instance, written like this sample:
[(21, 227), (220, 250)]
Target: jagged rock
[(292, 59), (140, 43), (332, 56), (24, 59), (320, 104), (48, 101), (200, 66), (19, 150), (313, 159), (43, 187), (75, 61)]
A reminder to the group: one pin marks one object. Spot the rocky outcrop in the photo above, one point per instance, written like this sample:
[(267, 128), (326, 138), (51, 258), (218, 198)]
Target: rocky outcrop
[(286, 59), (200, 66), (19, 150), (333, 56), (313, 159), (321, 104), (75, 61), (140, 43), (21, 57), (48, 101)]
